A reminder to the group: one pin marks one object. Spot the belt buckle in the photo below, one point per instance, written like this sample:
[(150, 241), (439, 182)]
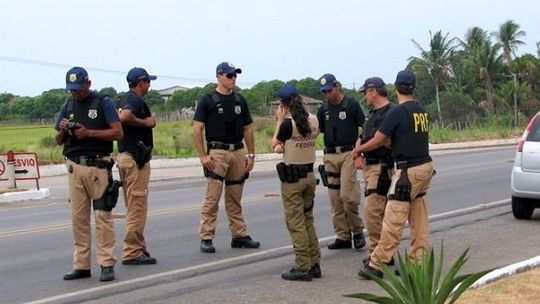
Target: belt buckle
[(231, 147), (338, 149)]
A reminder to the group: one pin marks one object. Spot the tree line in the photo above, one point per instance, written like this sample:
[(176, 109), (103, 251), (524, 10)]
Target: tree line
[(459, 80)]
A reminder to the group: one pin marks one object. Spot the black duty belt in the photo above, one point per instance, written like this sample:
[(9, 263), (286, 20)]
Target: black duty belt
[(99, 161), (404, 164), (224, 146), (306, 168), (338, 149)]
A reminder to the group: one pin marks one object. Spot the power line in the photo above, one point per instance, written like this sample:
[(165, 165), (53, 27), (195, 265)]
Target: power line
[(109, 71)]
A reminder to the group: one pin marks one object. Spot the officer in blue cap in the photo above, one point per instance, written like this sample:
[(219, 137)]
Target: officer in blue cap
[(87, 125), (294, 137)]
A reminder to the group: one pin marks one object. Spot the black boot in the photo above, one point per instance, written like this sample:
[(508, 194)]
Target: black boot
[(107, 273), (316, 271), (207, 246), (365, 273), (77, 274), (244, 242), (340, 244), (297, 275), (359, 241)]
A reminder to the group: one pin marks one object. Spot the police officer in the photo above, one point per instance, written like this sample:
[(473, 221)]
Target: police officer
[(376, 165), (295, 138), (87, 125), (135, 151), (225, 117), (339, 119), (407, 126)]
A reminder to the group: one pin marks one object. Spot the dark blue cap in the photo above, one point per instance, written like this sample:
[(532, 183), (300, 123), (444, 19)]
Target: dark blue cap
[(227, 68), (405, 78), (137, 74), (76, 78), (287, 92), (373, 82), (327, 82)]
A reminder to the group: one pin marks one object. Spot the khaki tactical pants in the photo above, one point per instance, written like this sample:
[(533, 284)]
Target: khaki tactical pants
[(374, 205), (398, 212), (87, 184), (231, 165), (135, 190), (344, 201), (298, 207)]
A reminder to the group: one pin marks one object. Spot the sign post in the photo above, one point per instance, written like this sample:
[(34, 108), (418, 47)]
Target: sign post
[(19, 166)]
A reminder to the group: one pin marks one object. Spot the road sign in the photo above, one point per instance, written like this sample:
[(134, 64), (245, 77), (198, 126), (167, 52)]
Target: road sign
[(26, 166)]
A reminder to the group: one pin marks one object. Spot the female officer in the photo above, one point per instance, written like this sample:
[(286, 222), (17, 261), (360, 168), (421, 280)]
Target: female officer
[(295, 139)]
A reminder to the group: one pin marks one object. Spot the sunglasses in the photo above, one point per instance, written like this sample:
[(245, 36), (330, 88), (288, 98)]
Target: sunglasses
[(229, 75)]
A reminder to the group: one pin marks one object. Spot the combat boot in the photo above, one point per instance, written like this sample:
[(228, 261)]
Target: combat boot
[(207, 246), (316, 271), (107, 273), (340, 244), (369, 271), (297, 275), (244, 242), (359, 241), (368, 259), (77, 274)]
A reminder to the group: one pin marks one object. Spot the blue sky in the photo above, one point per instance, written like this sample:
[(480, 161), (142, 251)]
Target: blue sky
[(183, 41)]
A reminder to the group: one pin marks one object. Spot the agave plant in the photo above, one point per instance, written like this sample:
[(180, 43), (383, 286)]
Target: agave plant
[(420, 282)]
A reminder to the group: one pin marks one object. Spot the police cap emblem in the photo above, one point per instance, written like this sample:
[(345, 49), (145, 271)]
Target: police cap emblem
[(323, 81), (72, 77)]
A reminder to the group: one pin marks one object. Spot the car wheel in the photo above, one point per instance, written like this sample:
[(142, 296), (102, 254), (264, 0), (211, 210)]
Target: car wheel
[(521, 208)]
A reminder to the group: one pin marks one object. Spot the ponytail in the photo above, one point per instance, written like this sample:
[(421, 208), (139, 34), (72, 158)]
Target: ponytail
[(300, 116)]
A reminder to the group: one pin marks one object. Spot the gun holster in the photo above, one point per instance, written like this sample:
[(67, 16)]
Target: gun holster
[(384, 181), (211, 174), (324, 176), (281, 169), (109, 199), (142, 155), (403, 187)]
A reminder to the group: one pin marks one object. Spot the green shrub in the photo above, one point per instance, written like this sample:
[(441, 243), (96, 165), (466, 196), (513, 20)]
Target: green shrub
[(420, 282)]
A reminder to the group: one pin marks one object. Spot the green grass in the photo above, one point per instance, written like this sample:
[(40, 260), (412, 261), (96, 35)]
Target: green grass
[(175, 139)]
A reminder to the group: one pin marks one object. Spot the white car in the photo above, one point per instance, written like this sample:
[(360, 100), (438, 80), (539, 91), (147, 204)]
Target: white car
[(525, 178)]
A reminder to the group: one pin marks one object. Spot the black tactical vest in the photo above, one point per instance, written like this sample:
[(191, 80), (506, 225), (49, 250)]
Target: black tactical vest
[(371, 125), (225, 122), (340, 127), (88, 112), (414, 147)]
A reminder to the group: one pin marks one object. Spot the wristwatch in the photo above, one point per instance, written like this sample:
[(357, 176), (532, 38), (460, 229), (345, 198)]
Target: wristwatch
[(251, 155)]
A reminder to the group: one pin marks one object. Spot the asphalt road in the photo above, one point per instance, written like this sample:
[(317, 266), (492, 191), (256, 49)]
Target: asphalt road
[(35, 239)]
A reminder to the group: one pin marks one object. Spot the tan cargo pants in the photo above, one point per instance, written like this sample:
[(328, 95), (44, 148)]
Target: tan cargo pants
[(231, 165), (87, 184), (374, 205), (135, 189), (398, 212), (298, 208), (346, 200)]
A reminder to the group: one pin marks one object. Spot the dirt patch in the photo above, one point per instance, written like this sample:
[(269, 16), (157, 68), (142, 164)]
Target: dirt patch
[(522, 288)]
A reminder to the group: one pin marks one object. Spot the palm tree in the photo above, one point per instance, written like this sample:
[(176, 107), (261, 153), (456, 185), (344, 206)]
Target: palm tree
[(508, 36), (487, 61), (436, 61)]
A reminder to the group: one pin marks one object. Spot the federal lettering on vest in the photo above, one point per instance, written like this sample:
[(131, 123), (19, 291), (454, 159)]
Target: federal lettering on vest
[(421, 122)]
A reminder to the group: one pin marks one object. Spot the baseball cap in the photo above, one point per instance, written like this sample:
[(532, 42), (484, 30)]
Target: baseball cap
[(405, 78), (227, 68), (75, 78), (327, 82), (373, 82), (137, 74), (287, 92)]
